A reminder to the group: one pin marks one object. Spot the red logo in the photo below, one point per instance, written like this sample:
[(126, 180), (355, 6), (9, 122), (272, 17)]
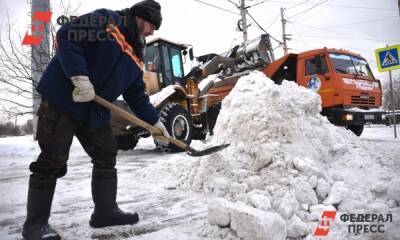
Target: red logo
[(325, 222), (42, 19)]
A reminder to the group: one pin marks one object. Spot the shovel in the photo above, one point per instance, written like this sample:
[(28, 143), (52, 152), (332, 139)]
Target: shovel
[(133, 119)]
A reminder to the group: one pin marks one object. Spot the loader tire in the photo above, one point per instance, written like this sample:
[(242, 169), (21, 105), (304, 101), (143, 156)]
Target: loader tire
[(178, 123), (356, 129), (126, 142)]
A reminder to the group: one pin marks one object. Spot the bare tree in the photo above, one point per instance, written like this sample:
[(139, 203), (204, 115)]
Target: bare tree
[(388, 103), (17, 65)]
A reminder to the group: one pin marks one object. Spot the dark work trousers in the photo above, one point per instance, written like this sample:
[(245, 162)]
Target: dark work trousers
[(55, 132)]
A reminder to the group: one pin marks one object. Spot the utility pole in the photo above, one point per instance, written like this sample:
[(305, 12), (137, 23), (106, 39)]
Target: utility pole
[(40, 54), (399, 6), (393, 104), (284, 35), (243, 13)]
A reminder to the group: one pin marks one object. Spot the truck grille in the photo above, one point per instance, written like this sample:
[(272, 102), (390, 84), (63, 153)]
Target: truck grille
[(363, 100)]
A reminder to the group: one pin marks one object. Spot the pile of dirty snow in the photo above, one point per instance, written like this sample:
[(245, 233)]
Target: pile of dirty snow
[(285, 165)]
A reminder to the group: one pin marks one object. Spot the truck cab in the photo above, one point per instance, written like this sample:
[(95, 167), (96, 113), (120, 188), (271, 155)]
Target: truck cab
[(349, 92)]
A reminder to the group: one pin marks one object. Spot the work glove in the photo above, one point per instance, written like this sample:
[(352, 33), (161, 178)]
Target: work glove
[(83, 91), (161, 139)]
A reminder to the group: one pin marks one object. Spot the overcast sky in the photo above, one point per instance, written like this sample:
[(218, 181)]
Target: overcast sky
[(360, 26)]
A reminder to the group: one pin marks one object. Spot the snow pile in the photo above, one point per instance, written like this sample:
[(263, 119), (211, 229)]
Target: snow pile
[(286, 164)]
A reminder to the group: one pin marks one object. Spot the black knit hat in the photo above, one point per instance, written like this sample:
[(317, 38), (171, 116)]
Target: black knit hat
[(149, 10)]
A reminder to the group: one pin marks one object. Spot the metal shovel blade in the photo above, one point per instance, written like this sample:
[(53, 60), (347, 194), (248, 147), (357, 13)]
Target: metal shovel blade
[(194, 153)]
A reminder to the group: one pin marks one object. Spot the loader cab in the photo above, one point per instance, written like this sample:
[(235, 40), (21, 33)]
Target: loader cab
[(164, 58)]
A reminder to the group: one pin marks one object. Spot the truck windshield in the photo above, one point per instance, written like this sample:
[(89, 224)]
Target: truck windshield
[(343, 63)]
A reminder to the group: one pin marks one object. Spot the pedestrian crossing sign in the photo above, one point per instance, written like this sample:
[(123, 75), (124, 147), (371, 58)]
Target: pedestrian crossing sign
[(388, 58)]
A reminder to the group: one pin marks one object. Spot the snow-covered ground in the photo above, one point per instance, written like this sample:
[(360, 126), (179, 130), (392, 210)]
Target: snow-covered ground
[(179, 197), (166, 213), (161, 207)]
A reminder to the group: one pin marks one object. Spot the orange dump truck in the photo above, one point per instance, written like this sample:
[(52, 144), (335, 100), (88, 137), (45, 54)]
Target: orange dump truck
[(350, 94)]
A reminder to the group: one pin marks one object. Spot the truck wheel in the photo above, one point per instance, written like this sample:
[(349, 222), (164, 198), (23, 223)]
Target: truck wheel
[(178, 123), (126, 142), (356, 129), (212, 115)]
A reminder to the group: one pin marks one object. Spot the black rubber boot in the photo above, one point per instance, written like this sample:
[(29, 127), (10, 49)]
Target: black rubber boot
[(104, 193), (40, 197)]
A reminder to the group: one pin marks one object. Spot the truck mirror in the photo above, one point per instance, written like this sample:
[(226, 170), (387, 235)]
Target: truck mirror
[(191, 56)]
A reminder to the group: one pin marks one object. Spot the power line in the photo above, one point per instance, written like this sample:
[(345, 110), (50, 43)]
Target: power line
[(350, 24), (259, 3), (339, 32), (307, 15), (300, 36), (296, 5), (234, 4), (260, 27), (351, 38), (339, 6), (220, 8), (334, 45), (254, 20), (276, 18), (308, 9)]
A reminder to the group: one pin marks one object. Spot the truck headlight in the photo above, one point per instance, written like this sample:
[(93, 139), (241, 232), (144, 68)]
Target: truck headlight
[(348, 117)]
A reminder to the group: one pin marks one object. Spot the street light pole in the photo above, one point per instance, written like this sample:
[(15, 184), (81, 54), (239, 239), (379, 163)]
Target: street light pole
[(393, 104)]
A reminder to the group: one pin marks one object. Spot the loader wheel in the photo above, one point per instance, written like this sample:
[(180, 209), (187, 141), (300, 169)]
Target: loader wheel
[(126, 142), (178, 123), (356, 129)]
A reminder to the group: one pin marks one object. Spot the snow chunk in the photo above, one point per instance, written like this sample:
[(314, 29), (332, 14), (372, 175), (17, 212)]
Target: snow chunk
[(296, 227), (338, 192), (316, 211), (394, 190), (323, 188), (219, 210), (305, 193), (253, 224), (288, 205), (260, 201), (305, 165), (254, 182)]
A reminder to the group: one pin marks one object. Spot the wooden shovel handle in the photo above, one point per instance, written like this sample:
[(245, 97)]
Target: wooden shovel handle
[(133, 119)]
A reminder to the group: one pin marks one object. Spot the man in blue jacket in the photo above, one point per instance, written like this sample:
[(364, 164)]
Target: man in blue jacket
[(97, 53)]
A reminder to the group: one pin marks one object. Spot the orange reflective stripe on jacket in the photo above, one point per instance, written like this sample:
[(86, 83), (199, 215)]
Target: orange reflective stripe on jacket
[(125, 46)]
